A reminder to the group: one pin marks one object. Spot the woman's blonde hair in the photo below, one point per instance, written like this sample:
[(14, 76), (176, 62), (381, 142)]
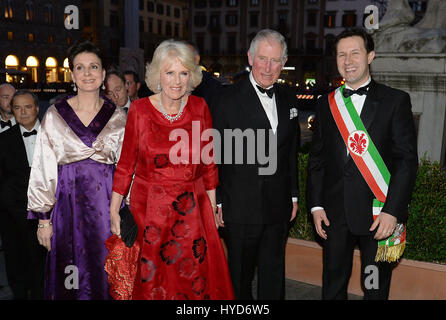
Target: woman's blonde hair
[(171, 49)]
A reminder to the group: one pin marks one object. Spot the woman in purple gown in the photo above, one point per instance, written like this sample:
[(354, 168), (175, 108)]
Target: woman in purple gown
[(77, 148)]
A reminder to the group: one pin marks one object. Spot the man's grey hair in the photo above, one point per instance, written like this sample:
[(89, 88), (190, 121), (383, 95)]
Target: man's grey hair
[(268, 35), (7, 85)]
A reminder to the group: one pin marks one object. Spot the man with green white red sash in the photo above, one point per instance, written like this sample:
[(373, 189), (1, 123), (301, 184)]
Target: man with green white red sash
[(362, 169)]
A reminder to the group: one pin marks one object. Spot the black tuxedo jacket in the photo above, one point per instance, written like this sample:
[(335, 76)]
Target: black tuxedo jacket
[(14, 170), (334, 181), (246, 196)]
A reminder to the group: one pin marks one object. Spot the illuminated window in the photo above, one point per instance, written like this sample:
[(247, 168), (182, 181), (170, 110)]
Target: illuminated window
[(66, 71), (330, 19), (10, 35), (51, 69), (68, 41), (11, 62), (9, 13), (31, 37), (29, 11), (32, 63), (50, 39)]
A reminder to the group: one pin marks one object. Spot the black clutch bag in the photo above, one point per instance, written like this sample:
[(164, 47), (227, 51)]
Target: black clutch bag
[(129, 229)]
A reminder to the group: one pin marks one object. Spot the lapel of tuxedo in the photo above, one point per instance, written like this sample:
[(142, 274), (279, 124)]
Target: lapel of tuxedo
[(370, 106), (283, 114), (256, 115), (18, 142)]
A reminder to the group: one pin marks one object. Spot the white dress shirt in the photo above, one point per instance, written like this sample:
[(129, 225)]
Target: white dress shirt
[(358, 103), (30, 141), (13, 122), (270, 107), (268, 104)]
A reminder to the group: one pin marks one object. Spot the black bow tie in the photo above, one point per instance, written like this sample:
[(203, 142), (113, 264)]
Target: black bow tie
[(269, 91), (361, 91), (126, 109), (5, 123), (27, 134)]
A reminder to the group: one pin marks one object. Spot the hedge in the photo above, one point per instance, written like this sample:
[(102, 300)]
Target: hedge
[(426, 227)]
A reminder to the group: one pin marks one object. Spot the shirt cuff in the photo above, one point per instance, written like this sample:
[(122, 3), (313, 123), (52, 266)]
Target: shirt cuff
[(316, 208), (294, 199)]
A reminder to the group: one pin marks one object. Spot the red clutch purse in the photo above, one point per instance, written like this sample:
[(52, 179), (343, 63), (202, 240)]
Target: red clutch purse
[(120, 265)]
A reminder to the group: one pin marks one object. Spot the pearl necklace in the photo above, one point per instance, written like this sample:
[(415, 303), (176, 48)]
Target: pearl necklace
[(169, 117)]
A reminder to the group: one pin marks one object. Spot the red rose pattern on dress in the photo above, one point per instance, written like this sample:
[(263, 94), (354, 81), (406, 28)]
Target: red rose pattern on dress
[(199, 285), (148, 269), (187, 268), (180, 230), (161, 160), (152, 235), (199, 248), (185, 203), (170, 252)]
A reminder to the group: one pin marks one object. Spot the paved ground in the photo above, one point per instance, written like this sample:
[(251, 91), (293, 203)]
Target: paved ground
[(294, 290)]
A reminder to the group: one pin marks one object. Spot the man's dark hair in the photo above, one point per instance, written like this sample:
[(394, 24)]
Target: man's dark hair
[(115, 72), (82, 47), (134, 74), (359, 32), (22, 92)]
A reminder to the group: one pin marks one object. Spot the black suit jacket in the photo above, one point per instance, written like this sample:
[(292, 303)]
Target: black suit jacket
[(334, 181), (14, 170), (247, 197), (209, 89)]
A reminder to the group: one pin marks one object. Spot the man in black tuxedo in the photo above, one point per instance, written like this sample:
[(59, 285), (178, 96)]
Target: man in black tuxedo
[(24, 257), (258, 197), (339, 196)]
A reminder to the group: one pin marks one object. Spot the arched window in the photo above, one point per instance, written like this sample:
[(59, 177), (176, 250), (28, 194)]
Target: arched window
[(32, 64), (11, 62), (51, 69), (29, 11)]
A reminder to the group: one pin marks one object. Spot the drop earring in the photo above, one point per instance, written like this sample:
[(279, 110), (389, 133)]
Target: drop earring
[(159, 87), (103, 86), (74, 87)]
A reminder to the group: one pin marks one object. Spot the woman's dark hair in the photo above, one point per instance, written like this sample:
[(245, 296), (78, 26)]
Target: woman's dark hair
[(359, 32), (82, 47)]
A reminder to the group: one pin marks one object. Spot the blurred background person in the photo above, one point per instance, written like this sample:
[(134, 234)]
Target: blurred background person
[(173, 202), (133, 84), (69, 190), (24, 257), (210, 87), (116, 89), (6, 117)]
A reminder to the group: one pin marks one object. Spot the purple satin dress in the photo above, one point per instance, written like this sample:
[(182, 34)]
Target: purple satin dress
[(81, 220)]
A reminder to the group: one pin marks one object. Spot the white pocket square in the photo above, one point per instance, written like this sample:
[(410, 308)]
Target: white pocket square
[(293, 113)]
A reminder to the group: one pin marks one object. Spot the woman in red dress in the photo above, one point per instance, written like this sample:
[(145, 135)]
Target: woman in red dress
[(172, 197)]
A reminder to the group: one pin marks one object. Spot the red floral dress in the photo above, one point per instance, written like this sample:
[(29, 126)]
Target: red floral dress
[(181, 256)]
